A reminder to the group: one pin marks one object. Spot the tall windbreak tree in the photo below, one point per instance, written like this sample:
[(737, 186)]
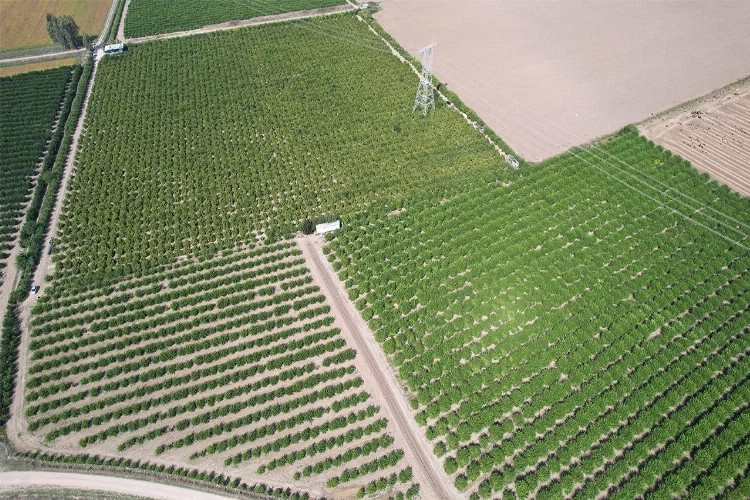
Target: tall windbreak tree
[(63, 30)]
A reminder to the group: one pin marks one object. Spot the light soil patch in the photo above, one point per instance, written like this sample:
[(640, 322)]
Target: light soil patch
[(550, 75), (713, 134), (39, 66), (23, 24)]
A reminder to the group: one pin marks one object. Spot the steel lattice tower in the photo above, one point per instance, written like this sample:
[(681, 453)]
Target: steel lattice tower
[(425, 97)]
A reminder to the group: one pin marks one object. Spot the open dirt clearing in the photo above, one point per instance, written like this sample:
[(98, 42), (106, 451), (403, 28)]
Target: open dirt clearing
[(22, 23), (549, 75), (713, 134), (147, 489)]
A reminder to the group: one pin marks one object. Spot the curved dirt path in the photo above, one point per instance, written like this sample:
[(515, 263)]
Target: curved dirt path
[(229, 25), (374, 366), (103, 483)]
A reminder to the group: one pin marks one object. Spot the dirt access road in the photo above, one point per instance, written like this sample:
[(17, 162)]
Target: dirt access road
[(548, 75), (17, 425), (374, 366), (102, 483), (427, 469), (11, 271), (229, 25)]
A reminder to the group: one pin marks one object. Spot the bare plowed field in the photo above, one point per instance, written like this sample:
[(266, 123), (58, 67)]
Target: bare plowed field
[(714, 135), (549, 75)]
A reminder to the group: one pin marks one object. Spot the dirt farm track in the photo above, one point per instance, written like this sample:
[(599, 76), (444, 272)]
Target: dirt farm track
[(548, 75)]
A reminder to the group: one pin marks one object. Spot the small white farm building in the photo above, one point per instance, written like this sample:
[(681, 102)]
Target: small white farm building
[(114, 48), (327, 227)]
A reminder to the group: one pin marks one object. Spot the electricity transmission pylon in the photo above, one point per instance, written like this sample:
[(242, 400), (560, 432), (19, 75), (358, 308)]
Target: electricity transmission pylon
[(425, 97)]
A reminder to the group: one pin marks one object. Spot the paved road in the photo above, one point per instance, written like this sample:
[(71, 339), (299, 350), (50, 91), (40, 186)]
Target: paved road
[(427, 469), (103, 483)]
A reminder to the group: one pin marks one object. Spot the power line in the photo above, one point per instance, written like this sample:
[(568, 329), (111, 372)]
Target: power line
[(425, 98), (330, 31), (597, 146), (546, 141), (424, 102)]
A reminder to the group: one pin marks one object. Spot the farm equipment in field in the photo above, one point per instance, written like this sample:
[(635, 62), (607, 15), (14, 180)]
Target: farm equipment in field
[(510, 159)]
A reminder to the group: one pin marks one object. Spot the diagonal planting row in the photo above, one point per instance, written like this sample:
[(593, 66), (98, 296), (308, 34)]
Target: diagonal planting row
[(220, 364)]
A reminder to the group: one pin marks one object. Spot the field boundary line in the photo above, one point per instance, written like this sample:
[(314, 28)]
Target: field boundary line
[(230, 25), (63, 54), (374, 366)]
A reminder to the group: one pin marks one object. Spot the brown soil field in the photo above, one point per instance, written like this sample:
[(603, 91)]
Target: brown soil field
[(713, 133), (236, 358), (26, 68), (22, 23), (550, 75)]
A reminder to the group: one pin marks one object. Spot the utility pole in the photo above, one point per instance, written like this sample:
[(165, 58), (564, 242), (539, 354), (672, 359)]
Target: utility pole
[(425, 97)]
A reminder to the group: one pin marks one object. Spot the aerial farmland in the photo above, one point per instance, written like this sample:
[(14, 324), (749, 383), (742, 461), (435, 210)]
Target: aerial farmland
[(499, 313), (547, 76)]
